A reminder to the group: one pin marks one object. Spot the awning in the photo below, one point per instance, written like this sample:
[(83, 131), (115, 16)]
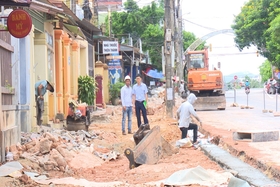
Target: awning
[(154, 74), (15, 2), (74, 29)]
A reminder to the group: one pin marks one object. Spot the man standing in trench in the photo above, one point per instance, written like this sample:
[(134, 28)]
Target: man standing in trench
[(184, 113), (41, 88), (126, 97), (140, 99)]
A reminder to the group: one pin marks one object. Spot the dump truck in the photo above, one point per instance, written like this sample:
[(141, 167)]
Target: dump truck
[(207, 85)]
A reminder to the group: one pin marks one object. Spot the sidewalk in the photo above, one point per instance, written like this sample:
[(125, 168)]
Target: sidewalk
[(262, 155)]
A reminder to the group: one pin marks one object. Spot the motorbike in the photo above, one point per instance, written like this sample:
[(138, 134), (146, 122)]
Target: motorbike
[(247, 89), (272, 87)]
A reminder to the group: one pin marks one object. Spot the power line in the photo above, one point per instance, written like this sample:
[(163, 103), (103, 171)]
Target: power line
[(209, 28)]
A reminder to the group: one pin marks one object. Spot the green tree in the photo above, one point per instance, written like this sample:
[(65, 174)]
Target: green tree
[(189, 38), (131, 6), (258, 25), (253, 83), (265, 71), (145, 23)]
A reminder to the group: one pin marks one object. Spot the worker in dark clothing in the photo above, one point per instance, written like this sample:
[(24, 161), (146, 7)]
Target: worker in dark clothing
[(41, 88), (140, 99)]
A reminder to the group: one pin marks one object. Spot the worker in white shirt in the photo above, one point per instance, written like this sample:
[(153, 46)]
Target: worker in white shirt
[(126, 98), (184, 115)]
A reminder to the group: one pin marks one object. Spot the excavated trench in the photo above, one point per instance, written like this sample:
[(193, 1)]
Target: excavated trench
[(270, 171)]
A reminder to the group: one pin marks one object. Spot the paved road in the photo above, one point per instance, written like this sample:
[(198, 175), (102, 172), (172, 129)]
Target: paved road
[(255, 98)]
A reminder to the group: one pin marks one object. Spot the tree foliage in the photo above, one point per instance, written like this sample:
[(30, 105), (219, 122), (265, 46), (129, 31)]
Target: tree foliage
[(253, 83), (145, 23), (259, 24), (189, 38), (265, 71)]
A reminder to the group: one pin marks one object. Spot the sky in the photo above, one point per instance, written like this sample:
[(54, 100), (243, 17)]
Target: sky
[(203, 17)]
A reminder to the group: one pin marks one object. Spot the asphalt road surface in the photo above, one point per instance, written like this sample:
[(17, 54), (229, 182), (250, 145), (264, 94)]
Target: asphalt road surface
[(256, 98), (245, 119)]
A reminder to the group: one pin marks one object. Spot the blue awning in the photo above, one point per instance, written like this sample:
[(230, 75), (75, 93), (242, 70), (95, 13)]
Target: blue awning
[(154, 74)]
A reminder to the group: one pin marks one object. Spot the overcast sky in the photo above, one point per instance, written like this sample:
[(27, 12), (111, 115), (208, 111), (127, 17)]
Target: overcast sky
[(204, 16)]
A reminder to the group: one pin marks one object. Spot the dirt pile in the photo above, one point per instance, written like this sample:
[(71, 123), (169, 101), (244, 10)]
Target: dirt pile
[(62, 150)]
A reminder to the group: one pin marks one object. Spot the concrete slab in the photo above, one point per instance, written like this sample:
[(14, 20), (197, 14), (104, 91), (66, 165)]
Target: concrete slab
[(256, 135), (245, 171)]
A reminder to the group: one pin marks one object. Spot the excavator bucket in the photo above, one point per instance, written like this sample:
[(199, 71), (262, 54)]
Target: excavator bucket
[(210, 103), (149, 150)]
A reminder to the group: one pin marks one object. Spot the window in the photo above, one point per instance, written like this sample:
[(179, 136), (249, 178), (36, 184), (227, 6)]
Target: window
[(197, 61)]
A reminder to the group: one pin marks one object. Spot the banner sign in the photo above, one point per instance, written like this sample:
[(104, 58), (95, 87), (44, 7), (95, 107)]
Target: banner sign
[(115, 70), (19, 23), (110, 47)]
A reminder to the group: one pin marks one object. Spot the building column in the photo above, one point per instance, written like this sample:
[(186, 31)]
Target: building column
[(66, 72), (74, 70), (106, 84), (59, 70), (32, 81)]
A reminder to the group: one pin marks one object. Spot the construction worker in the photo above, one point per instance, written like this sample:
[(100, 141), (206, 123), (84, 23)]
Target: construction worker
[(184, 116), (41, 88), (126, 98), (140, 99), (182, 88)]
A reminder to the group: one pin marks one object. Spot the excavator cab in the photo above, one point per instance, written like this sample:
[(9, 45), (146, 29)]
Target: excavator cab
[(196, 61)]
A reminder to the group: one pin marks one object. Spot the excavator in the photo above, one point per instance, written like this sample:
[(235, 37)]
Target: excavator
[(206, 84)]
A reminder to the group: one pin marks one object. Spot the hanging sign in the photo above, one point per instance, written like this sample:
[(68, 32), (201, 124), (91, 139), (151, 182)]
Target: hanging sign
[(19, 23), (110, 47)]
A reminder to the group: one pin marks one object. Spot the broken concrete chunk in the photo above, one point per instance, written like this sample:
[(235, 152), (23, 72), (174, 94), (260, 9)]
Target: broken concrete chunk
[(58, 158), (65, 152), (50, 137), (31, 144), (45, 145)]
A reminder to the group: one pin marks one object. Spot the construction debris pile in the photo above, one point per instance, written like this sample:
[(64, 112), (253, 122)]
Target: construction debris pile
[(61, 150)]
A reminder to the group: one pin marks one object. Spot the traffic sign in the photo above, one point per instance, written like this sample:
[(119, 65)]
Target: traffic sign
[(235, 77)]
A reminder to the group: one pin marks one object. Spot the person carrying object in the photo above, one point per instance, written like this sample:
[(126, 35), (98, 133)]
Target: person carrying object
[(140, 99), (126, 98), (41, 88), (184, 113)]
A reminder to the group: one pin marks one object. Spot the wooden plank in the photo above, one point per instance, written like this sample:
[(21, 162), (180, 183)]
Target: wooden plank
[(6, 46)]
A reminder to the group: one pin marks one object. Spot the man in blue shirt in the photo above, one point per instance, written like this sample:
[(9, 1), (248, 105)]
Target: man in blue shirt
[(126, 97), (140, 99), (41, 88)]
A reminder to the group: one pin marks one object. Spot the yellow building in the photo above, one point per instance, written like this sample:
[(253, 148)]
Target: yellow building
[(60, 55)]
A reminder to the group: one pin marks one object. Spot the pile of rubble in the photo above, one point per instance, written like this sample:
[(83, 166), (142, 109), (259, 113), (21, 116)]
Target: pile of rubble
[(61, 150)]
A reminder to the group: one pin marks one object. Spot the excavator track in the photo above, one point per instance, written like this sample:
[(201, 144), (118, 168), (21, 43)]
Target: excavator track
[(210, 103)]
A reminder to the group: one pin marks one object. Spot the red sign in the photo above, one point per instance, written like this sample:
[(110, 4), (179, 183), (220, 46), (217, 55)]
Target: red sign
[(235, 77), (19, 23)]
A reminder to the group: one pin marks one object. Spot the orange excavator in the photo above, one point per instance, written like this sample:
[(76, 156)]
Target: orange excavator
[(206, 84)]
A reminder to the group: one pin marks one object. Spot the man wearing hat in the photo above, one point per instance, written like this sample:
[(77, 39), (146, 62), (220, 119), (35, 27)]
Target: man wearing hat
[(41, 88), (126, 97), (140, 98)]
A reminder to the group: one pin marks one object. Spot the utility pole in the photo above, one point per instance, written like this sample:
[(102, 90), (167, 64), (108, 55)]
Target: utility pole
[(179, 43), (168, 34), (110, 21)]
